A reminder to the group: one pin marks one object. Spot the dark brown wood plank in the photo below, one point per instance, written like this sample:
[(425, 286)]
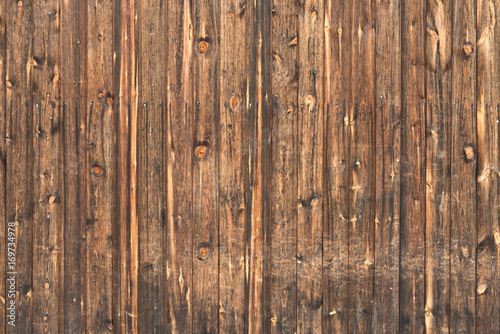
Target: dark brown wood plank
[(3, 163), (488, 202), (73, 165), (258, 185), (125, 183), (336, 228), (153, 94), (284, 84), (179, 167), (463, 170), (19, 135), (46, 104), (412, 223), (232, 152), (99, 253), (387, 167), (205, 167), (361, 164), (438, 50), (310, 136)]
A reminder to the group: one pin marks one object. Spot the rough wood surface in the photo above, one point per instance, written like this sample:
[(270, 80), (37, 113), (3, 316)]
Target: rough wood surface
[(336, 205), (258, 185), (152, 106), (487, 182), (179, 167), (361, 163), (283, 240), (19, 135), (205, 167), (233, 166), (310, 147), (438, 41), (73, 165), (388, 167), (99, 166), (125, 168), (463, 171), (412, 220), (46, 104)]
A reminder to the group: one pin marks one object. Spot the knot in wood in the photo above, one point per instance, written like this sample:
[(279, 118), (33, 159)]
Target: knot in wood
[(203, 46), (97, 170), (482, 288), (234, 102), (465, 252), (467, 49), (309, 99), (200, 151), (203, 251), (469, 152)]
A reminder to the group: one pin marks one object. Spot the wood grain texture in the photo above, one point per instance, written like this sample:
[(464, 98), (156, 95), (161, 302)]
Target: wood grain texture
[(232, 161), (179, 167), (388, 167), (46, 111), (361, 164), (205, 166), (73, 165), (152, 92), (258, 185), (412, 226), (283, 241), (125, 168), (438, 41), (234, 166), (488, 202), (3, 163), (99, 253), (310, 165), (463, 171), (19, 136), (336, 206)]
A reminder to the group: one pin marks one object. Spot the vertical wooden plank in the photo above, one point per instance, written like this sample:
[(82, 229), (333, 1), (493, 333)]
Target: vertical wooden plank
[(488, 203), (336, 229), (18, 134), (284, 84), (152, 92), (310, 135), (179, 167), (438, 47), (3, 164), (463, 170), (388, 167), (258, 185), (412, 226), (361, 164), (125, 183), (205, 166), (46, 100), (99, 253), (232, 151), (73, 165)]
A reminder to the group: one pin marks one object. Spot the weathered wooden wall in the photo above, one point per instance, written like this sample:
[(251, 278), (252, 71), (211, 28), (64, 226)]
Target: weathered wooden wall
[(237, 166)]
